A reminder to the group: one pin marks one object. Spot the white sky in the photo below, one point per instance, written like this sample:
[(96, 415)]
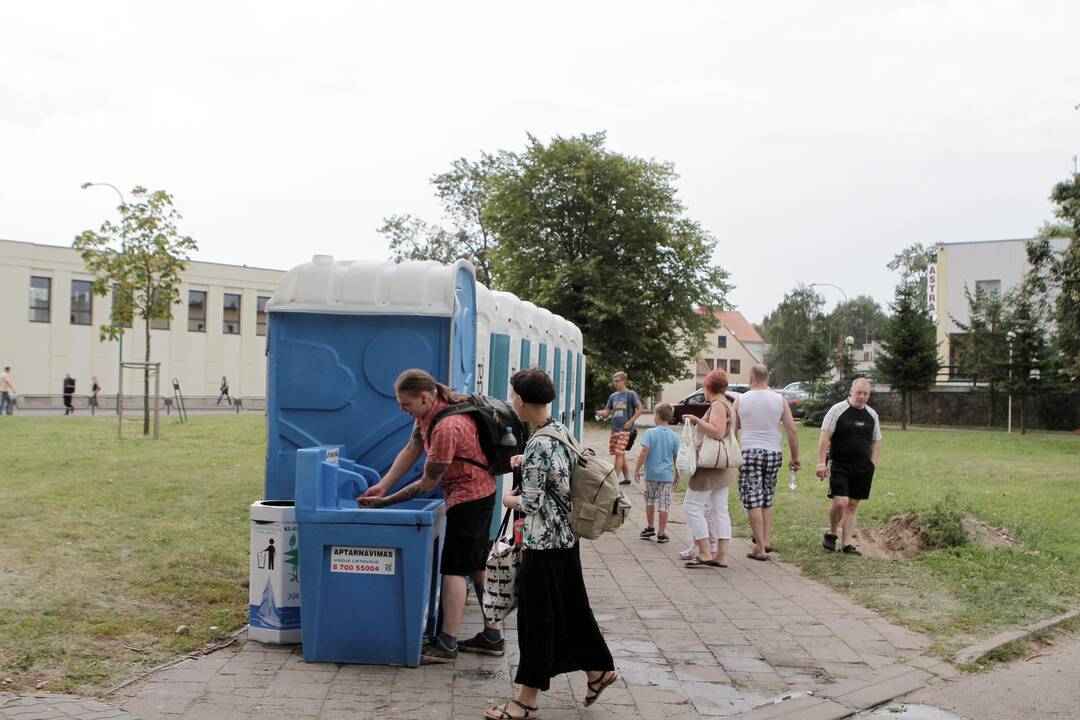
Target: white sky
[(813, 139)]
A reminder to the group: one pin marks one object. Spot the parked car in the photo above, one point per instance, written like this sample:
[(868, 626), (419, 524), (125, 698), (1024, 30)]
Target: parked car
[(694, 404), (802, 386), (796, 401)]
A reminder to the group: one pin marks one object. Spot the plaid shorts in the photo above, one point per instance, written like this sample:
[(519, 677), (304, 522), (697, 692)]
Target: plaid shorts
[(658, 494), (617, 443), (757, 477)]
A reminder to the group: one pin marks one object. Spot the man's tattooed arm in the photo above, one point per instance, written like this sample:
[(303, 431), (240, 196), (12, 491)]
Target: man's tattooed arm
[(433, 473)]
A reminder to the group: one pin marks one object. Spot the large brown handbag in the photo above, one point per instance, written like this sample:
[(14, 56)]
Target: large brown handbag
[(720, 454)]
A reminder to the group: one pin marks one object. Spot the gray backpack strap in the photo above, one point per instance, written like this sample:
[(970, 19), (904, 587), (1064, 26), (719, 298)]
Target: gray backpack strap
[(565, 438)]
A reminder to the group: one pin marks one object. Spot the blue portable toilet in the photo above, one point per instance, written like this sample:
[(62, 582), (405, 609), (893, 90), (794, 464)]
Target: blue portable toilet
[(506, 342), (485, 320), (339, 334), (530, 338)]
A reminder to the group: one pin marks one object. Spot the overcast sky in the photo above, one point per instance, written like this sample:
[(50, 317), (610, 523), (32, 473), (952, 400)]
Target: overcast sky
[(814, 140)]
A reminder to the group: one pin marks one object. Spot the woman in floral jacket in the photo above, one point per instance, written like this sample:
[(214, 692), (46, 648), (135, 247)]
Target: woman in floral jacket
[(557, 632)]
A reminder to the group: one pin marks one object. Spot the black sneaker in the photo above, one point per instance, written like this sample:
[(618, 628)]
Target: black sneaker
[(480, 644), (829, 543), (851, 550), (437, 651), (647, 533), (662, 538), (624, 481)]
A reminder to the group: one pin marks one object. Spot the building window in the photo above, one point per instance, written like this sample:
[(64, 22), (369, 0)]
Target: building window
[(721, 341), (82, 303), (260, 315), (710, 363), (115, 297), (231, 319), (736, 367), (40, 295), (196, 311), (721, 364), (866, 357), (160, 323), (987, 286)]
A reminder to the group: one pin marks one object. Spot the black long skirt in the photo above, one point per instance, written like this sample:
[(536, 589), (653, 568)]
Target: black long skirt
[(557, 632)]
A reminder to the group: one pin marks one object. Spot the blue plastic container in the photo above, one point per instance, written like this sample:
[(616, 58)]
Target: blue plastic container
[(370, 578)]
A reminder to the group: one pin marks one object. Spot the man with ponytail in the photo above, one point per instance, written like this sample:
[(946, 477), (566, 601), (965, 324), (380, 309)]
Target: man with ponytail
[(456, 463)]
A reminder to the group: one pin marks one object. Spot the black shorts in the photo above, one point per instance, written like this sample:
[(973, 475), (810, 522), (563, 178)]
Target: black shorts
[(466, 540), (851, 479)]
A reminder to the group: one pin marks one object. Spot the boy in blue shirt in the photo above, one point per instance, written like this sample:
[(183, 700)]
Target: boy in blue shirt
[(659, 448)]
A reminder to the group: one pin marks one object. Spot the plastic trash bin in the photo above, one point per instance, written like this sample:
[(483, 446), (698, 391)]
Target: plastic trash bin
[(370, 576), (274, 587)]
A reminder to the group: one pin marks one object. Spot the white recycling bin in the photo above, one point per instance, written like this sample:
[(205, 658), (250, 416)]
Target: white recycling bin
[(274, 592)]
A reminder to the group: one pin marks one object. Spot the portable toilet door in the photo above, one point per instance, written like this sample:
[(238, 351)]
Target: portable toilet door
[(545, 320), (530, 342), (575, 381), (506, 337), (486, 319), (339, 334)]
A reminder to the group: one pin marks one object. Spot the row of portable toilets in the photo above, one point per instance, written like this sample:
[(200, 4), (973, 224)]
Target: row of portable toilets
[(339, 334)]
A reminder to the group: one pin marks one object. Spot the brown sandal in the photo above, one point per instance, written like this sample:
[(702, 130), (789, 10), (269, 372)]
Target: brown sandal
[(532, 712), (598, 686), (755, 556)]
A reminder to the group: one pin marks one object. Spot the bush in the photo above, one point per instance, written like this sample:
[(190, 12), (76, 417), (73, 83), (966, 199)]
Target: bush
[(943, 524)]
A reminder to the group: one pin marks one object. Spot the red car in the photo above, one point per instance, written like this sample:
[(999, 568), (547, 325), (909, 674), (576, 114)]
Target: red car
[(694, 403)]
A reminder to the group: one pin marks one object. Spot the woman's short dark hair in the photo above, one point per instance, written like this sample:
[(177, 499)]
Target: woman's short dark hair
[(533, 386)]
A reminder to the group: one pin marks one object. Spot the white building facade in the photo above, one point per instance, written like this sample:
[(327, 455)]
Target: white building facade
[(49, 327)]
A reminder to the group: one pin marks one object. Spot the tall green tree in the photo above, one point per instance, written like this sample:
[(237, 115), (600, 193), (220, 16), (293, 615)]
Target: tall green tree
[(140, 260), (909, 360), (1027, 349), (984, 353), (463, 193), (794, 354), (912, 263), (860, 318), (1055, 275), (601, 238)]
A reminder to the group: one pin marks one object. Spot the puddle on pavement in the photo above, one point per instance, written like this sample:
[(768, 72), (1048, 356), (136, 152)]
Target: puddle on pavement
[(903, 711)]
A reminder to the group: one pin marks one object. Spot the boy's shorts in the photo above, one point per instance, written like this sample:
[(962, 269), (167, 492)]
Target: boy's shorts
[(658, 495), (617, 443)]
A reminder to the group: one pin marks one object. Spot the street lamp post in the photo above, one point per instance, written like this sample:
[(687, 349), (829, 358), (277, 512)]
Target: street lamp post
[(845, 302), (120, 351)]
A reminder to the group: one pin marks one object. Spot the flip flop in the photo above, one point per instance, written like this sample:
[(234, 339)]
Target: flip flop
[(755, 556), (532, 712), (598, 686), (698, 562)]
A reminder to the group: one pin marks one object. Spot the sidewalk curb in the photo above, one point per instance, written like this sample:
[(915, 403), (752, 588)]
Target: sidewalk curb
[(847, 698), (978, 651)]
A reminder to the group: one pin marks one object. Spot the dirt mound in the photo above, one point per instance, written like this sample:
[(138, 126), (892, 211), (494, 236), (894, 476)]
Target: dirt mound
[(903, 537)]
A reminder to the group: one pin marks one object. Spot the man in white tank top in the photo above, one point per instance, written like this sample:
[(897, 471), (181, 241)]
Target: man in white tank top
[(760, 411)]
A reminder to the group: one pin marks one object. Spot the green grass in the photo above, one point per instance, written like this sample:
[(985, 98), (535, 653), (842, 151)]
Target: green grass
[(1029, 485), (108, 544)]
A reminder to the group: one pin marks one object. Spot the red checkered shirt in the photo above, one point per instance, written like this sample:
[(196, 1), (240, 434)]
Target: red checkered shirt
[(454, 438)]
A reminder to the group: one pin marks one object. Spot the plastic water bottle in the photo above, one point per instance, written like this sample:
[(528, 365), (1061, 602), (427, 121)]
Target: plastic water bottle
[(508, 439), (793, 481)]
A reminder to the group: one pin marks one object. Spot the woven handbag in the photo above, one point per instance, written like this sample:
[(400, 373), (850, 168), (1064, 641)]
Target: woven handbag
[(501, 583), (720, 454)]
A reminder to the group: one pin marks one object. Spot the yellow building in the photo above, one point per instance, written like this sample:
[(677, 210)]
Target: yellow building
[(734, 346), (49, 327)]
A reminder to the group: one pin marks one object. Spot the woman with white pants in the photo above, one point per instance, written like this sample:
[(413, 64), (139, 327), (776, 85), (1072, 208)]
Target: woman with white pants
[(709, 487)]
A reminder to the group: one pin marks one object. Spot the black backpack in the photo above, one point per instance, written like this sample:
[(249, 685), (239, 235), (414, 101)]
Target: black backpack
[(502, 434)]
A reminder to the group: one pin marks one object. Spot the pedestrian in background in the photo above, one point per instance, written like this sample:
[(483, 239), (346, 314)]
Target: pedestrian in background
[(623, 407), (760, 411), (708, 486), (7, 392), (659, 448), (95, 388), (224, 391), (69, 392)]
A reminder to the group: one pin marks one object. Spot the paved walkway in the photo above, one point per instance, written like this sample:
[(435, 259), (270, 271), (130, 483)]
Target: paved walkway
[(755, 640)]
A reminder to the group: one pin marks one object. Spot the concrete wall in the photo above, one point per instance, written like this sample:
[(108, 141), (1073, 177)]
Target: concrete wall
[(40, 353), (1058, 411)]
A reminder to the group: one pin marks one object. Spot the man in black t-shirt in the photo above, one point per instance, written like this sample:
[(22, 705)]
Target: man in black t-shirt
[(69, 392), (851, 440)]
